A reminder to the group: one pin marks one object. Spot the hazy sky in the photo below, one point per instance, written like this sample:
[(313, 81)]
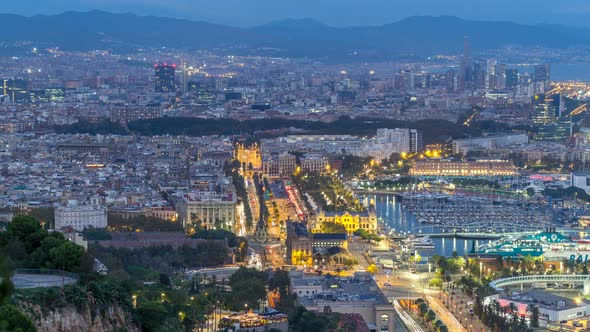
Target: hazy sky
[(333, 12)]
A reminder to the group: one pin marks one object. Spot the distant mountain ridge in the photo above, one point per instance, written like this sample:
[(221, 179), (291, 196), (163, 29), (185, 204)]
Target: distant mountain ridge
[(418, 35)]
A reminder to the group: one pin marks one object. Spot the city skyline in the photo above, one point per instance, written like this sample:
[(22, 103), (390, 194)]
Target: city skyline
[(389, 166), (349, 13)]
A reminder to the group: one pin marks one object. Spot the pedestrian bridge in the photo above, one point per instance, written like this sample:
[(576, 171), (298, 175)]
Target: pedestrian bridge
[(499, 284)]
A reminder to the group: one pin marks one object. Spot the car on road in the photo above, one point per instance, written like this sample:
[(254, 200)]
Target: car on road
[(387, 284)]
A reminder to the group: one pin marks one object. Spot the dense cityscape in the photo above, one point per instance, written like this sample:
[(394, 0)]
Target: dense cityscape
[(172, 189)]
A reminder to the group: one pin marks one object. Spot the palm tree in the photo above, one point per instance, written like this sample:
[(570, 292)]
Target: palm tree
[(437, 324), (533, 311), (496, 307), (513, 312), (430, 315)]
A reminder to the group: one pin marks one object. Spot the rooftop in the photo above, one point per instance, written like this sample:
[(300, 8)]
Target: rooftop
[(360, 288), (546, 300)]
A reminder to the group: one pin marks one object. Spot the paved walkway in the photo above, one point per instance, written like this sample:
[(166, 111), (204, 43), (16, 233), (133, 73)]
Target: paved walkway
[(457, 304), (445, 315), (408, 321)]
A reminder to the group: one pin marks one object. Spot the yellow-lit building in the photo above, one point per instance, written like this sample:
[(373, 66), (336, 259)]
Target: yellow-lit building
[(207, 209), (449, 167), (299, 244), (165, 213), (314, 164), (351, 221), (250, 155)]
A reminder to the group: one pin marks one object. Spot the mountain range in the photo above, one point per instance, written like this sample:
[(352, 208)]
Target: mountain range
[(413, 36)]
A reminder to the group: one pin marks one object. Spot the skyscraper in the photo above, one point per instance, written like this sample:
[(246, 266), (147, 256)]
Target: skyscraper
[(500, 76), (545, 109), (511, 78), (479, 75), (416, 141), (165, 81), (547, 116), (541, 73), (491, 74), (465, 73)]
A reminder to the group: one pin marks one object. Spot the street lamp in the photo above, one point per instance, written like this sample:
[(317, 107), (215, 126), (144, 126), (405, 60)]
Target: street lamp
[(480, 270)]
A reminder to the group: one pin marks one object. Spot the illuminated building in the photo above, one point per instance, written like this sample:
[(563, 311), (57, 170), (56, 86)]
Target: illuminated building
[(257, 322), (491, 74), (547, 116), (250, 155), (48, 95), (165, 77), (16, 90), (128, 113), (351, 221), (545, 109), (164, 213), (330, 240), (559, 130), (314, 163), (200, 93), (299, 244), (416, 141), (207, 209), (500, 76), (277, 164), (450, 167)]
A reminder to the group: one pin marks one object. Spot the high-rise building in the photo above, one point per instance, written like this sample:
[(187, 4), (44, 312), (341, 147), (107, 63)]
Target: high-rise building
[(416, 141), (511, 78), (184, 75), (541, 73), (560, 130), (16, 89), (491, 74), (165, 77), (545, 110), (500, 76), (465, 73), (479, 75), (547, 116)]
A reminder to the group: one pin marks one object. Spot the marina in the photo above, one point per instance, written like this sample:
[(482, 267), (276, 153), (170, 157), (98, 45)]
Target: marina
[(398, 218), (459, 213)]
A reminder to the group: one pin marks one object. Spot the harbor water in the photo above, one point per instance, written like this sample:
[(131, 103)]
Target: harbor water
[(394, 216)]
